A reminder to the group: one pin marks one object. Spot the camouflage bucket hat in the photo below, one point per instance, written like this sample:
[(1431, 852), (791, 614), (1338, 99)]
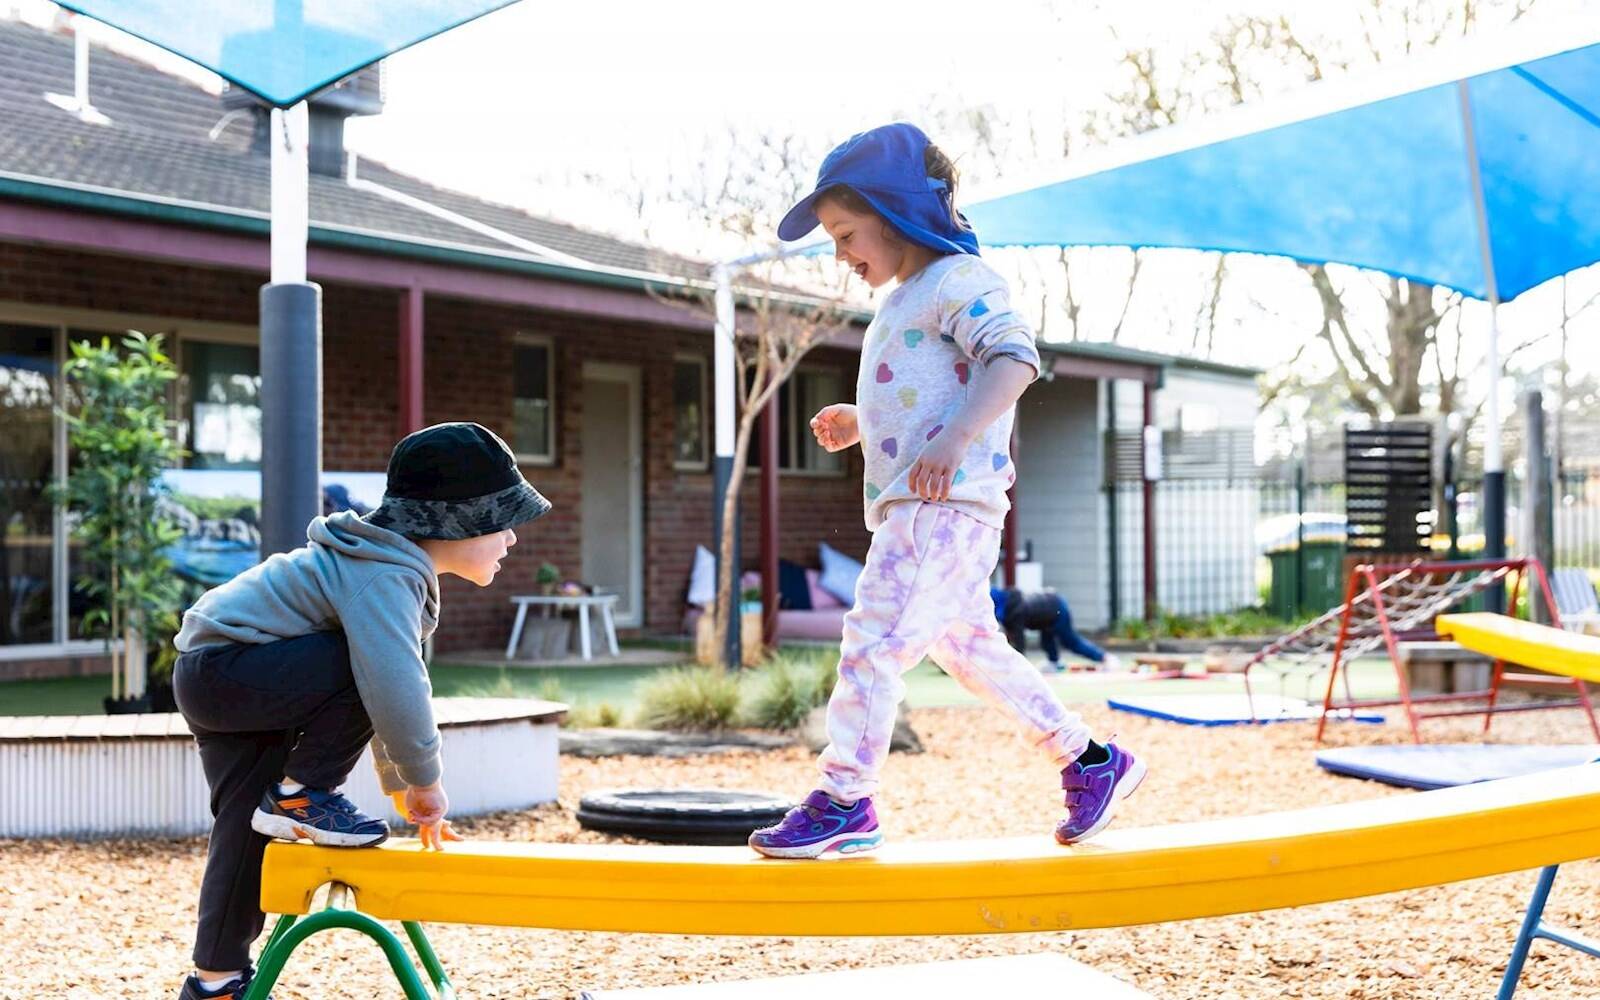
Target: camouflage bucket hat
[(453, 481)]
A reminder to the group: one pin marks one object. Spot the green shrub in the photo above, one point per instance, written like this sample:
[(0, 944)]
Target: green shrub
[(690, 698), (602, 716), (550, 690), (787, 688)]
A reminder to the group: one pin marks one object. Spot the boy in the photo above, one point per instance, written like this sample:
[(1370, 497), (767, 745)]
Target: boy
[(291, 668), (1045, 610)]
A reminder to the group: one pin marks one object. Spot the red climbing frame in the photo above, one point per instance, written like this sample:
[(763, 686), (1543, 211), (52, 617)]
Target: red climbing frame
[(1377, 590)]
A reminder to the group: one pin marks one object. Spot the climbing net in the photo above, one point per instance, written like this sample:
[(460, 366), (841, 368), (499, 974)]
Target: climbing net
[(1382, 600)]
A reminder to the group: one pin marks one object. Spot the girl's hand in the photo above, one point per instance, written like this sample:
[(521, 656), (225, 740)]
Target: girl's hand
[(935, 469), (835, 426)]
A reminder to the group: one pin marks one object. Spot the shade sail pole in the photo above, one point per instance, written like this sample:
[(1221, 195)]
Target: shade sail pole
[(722, 368), (1494, 477), (291, 349), (725, 410)]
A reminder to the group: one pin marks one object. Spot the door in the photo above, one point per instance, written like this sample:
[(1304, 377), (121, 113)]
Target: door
[(612, 505)]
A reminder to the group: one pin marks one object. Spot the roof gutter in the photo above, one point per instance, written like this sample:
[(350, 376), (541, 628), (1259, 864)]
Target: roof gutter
[(156, 208)]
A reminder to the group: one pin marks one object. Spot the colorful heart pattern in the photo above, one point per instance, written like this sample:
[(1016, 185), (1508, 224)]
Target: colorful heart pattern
[(890, 447), (999, 461), (908, 397), (978, 309), (961, 474), (935, 432), (962, 372), (886, 374), (872, 492), (913, 338)]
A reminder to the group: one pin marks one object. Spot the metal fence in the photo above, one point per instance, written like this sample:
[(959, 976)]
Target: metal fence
[(1216, 538)]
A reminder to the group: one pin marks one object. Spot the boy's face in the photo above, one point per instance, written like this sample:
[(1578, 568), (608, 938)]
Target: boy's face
[(476, 559), (859, 241)]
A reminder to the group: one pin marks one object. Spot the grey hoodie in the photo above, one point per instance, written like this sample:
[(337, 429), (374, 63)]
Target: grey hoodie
[(377, 586)]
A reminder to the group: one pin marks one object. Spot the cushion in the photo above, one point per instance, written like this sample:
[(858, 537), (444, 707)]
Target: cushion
[(703, 578), (839, 573), (793, 594), (820, 599)]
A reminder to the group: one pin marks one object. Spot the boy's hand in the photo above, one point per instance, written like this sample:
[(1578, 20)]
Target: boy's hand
[(425, 805), (935, 469), (835, 426)]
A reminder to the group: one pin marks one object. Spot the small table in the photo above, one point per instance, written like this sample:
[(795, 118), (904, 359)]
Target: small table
[(583, 602)]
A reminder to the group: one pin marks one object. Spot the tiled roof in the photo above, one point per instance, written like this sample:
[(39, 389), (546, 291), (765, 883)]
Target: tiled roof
[(158, 145)]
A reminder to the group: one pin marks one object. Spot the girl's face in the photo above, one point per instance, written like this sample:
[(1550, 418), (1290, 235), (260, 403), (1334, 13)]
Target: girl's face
[(864, 242), (476, 559)]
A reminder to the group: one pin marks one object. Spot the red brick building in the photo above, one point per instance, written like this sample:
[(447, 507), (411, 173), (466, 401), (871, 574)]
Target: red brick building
[(156, 220)]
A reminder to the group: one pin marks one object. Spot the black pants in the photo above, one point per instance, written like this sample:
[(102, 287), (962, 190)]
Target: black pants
[(259, 712)]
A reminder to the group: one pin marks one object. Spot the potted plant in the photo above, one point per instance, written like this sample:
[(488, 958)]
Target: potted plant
[(121, 443)]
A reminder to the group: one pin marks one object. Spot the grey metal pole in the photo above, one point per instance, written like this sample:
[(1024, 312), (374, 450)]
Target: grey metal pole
[(291, 350), (722, 465), (1535, 496), (291, 413)]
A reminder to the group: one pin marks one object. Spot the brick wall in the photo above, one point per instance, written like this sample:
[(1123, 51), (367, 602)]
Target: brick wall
[(468, 376)]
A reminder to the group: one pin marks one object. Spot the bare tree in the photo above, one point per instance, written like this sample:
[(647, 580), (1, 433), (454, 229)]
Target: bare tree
[(739, 186), (1415, 356)]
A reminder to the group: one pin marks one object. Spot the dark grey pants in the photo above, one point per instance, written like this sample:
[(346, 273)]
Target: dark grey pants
[(259, 712)]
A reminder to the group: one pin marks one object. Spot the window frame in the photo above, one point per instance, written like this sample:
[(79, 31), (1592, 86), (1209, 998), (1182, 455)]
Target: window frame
[(181, 394), (701, 362), (796, 423), (524, 338)]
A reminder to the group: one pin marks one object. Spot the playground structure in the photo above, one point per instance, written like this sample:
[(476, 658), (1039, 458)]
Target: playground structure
[(1389, 603), (1126, 877)]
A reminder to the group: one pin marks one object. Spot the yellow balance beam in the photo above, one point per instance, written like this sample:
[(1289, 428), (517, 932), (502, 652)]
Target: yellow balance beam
[(1513, 640), (971, 887)]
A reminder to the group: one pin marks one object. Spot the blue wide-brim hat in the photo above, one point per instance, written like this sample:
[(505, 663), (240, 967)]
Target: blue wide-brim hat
[(885, 166)]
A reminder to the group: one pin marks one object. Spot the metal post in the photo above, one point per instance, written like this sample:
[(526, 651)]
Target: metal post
[(1299, 537), (1114, 568), (1451, 523), (1494, 477), (1526, 934), (1535, 496), (722, 364), (411, 377), (769, 523), (1150, 471), (291, 351)]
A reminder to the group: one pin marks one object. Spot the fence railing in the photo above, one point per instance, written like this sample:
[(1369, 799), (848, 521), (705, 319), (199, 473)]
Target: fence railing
[(1219, 542)]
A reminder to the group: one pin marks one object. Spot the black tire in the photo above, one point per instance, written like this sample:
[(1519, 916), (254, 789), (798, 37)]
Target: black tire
[(706, 816)]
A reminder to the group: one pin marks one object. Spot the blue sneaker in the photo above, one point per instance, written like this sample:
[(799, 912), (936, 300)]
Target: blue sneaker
[(1093, 791), (321, 816), (821, 826)]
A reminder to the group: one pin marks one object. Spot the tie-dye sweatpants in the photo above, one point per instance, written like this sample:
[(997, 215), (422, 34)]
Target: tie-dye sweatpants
[(925, 592)]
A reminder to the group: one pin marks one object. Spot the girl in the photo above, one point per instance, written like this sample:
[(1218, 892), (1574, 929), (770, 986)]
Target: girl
[(942, 366)]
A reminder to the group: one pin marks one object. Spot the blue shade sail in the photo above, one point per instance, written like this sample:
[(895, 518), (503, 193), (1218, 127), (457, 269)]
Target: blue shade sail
[(284, 50), (1383, 183)]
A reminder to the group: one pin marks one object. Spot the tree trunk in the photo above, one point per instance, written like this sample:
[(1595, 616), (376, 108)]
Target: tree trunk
[(727, 573)]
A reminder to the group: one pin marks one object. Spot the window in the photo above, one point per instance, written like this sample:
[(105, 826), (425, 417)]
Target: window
[(28, 563), (807, 391), (689, 411), (221, 412), (533, 416)]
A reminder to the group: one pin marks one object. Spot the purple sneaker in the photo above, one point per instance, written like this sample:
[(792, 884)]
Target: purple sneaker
[(1093, 791), (820, 826)]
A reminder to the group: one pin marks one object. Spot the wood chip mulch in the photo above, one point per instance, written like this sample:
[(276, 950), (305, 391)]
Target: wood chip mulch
[(113, 919)]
